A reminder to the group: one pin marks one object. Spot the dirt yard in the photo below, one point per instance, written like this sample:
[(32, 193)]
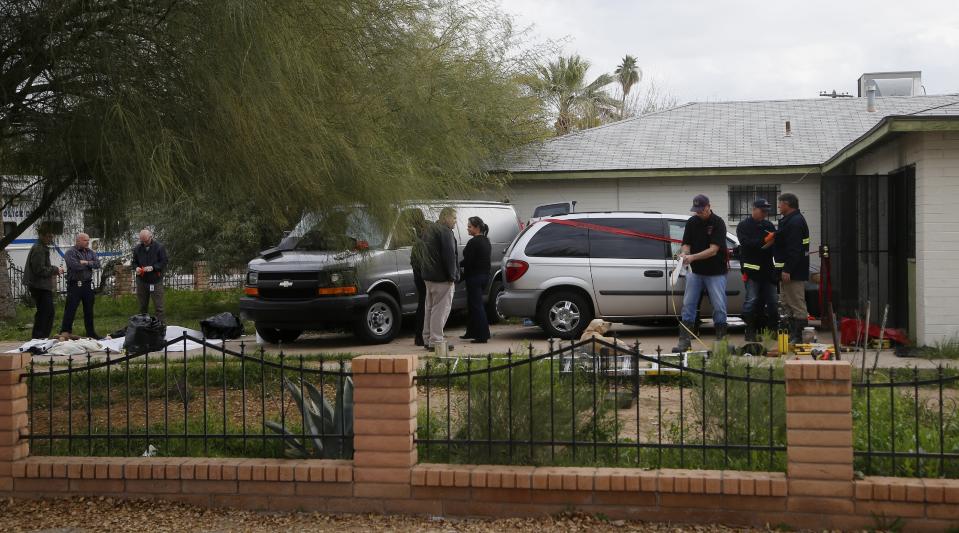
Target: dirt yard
[(99, 514)]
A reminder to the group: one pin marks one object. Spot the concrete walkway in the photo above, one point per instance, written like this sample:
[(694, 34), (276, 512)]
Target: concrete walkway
[(517, 338)]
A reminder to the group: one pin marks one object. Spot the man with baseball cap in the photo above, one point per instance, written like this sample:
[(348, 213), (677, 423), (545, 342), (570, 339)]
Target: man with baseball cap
[(704, 249), (792, 257), (756, 238)]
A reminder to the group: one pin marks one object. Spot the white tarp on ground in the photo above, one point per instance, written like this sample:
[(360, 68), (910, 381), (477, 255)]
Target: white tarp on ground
[(116, 345)]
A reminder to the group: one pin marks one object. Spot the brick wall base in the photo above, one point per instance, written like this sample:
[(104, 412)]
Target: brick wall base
[(677, 496)]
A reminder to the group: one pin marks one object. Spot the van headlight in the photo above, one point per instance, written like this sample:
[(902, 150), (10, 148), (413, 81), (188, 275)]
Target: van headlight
[(338, 283), (252, 278)]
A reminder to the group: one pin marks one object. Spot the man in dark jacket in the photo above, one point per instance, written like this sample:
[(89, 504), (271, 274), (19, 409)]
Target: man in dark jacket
[(792, 256), (40, 278), (150, 260), (81, 262), (439, 271), (756, 234)]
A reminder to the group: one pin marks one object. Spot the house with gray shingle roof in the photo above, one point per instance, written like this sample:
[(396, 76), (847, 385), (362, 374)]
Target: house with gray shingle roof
[(854, 171)]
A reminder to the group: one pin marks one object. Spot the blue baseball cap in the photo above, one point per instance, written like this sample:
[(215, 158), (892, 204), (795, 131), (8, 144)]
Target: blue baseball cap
[(762, 204), (700, 202)]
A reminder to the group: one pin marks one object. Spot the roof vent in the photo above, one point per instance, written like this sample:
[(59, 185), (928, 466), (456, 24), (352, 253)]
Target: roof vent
[(871, 98)]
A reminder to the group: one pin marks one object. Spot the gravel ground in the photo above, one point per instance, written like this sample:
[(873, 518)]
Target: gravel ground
[(100, 514)]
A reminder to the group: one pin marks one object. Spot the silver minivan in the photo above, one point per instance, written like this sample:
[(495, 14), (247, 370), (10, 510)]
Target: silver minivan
[(313, 281), (562, 272)]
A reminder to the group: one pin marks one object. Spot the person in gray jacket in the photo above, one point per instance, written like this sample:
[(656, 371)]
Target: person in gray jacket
[(81, 262), (439, 271), (149, 261), (40, 278)]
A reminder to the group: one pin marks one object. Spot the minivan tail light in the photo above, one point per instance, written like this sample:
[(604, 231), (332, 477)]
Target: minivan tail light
[(515, 270)]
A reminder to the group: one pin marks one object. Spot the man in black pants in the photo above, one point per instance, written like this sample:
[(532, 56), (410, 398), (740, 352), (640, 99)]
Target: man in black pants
[(81, 262), (40, 277)]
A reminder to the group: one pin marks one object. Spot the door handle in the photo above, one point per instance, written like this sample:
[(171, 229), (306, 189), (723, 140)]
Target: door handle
[(654, 273)]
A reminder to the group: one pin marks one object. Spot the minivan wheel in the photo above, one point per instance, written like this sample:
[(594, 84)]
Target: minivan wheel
[(493, 314), (276, 335), (564, 315), (379, 322)]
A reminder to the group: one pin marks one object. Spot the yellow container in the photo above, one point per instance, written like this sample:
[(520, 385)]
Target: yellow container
[(783, 341)]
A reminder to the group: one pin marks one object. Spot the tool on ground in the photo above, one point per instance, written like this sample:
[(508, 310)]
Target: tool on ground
[(882, 334), (865, 339), (825, 290)]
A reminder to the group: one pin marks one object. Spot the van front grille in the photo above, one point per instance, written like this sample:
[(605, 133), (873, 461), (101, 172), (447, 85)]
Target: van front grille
[(288, 294)]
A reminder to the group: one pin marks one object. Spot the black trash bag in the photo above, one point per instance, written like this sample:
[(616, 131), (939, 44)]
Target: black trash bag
[(144, 334), (222, 326)]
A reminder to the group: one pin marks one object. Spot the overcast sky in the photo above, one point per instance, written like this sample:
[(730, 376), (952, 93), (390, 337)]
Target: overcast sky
[(739, 50)]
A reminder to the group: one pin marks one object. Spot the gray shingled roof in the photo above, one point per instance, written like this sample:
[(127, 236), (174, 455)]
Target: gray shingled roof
[(724, 135)]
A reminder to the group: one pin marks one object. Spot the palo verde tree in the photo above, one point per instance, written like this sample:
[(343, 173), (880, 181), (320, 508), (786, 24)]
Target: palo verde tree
[(287, 104)]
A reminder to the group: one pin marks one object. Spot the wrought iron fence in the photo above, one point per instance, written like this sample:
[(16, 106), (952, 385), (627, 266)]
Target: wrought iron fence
[(214, 402), (601, 403), (906, 423), (104, 281)]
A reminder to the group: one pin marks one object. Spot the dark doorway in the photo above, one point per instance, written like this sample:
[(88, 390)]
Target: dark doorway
[(869, 223)]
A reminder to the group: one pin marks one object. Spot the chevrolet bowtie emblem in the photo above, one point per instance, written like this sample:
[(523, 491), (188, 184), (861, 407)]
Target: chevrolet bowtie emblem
[(286, 284)]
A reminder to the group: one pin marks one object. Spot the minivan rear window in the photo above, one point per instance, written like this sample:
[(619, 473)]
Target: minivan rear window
[(557, 240)]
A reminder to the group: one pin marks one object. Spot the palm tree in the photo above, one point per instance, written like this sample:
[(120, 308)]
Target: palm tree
[(628, 74), (562, 85)]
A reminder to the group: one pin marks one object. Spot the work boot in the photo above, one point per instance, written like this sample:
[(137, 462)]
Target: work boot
[(722, 336), (795, 330), (751, 327), (685, 337), (800, 326)]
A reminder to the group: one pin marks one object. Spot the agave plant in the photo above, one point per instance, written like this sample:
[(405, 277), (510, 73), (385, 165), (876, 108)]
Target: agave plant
[(329, 429)]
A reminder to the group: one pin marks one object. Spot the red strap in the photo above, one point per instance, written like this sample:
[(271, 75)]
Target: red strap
[(608, 229)]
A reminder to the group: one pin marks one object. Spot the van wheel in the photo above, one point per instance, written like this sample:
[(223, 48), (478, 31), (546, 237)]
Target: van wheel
[(493, 314), (380, 321), (276, 335), (564, 315)]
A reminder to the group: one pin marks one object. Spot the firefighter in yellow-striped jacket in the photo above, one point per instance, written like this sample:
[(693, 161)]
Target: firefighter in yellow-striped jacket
[(756, 237), (792, 256)]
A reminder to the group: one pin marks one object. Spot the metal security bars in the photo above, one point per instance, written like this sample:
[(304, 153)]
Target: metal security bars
[(741, 198), (906, 423), (210, 402), (601, 403)]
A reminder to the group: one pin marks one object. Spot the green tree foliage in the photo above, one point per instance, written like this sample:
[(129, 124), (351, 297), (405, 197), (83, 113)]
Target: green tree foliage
[(289, 104), (562, 85), (201, 228)]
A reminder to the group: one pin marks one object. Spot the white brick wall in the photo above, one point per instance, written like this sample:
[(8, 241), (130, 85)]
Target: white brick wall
[(667, 195)]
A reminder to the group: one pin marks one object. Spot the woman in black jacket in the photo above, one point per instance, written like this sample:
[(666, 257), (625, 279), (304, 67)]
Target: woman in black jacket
[(476, 267)]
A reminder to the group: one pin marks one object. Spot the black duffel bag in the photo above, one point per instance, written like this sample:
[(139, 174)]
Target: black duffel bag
[(222, 326), (144, 334)]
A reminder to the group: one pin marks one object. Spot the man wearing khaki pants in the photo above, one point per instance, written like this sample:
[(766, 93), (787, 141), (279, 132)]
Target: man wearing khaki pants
[(439, 271), (792, 256)]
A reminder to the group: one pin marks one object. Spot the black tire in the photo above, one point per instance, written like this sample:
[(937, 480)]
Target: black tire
[(277, 336), (493, 315), (564, 314), (380, 321)]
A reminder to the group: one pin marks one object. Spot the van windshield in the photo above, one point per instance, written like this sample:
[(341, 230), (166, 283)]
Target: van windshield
[(335, 231)]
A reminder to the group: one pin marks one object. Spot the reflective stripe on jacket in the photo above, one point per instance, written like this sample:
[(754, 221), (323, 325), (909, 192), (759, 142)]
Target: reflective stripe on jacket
[(757, 263), (792, 246)]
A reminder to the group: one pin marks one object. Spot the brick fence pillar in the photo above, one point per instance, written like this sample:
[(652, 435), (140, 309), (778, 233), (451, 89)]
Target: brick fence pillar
[(201, 276), (13, 416), (384, 422), (819, 437), (122, 280)]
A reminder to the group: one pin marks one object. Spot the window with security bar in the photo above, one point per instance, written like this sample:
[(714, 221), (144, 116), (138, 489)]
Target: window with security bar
[(741, 198)]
